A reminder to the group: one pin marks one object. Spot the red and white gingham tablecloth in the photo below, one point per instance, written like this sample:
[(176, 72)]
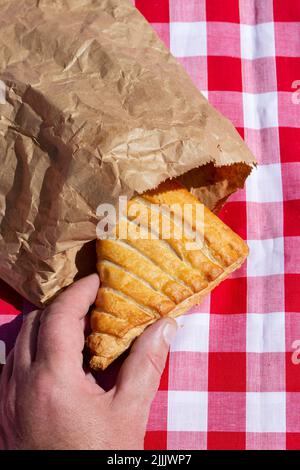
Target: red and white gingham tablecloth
[(232, 379)]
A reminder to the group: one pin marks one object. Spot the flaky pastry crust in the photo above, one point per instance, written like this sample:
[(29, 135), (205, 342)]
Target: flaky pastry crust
[(143, 280)]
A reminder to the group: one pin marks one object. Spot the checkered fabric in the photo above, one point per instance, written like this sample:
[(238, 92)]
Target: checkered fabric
[(232, 379)]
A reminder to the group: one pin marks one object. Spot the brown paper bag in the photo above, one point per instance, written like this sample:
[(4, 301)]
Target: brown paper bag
[(95, 107)]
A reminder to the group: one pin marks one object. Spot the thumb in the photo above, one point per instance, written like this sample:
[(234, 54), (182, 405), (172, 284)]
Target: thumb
[(139, 377)]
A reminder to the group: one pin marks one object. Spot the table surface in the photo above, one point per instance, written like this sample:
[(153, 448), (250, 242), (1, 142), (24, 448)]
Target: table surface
[(232, 379)]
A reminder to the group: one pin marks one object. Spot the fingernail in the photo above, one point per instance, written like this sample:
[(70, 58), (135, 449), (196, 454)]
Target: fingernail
[(169, 332)]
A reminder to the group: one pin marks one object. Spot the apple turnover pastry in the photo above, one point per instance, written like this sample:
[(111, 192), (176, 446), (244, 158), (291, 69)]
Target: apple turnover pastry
[(159, 271)]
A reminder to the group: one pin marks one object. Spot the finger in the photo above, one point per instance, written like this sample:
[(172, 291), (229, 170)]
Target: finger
[(77, 298), (140, 374), (61, 334), (25, 347)]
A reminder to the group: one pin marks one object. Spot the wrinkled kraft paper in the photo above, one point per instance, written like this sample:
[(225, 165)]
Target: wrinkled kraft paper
[(96, 107)]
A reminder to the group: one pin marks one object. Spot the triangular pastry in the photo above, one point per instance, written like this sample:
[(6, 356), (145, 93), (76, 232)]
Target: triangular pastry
[(145, 279)]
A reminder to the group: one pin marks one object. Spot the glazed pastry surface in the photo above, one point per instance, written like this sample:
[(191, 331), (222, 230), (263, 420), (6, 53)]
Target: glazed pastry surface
[(144, 279)]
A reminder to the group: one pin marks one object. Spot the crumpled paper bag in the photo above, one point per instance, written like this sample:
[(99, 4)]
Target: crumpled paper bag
[(95, 107)]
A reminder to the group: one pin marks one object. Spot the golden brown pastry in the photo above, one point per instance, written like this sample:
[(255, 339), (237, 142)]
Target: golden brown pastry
[(145, 279)]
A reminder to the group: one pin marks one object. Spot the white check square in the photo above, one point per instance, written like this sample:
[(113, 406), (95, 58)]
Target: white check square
[(260, 110), (266, 257), (193, 333), (266, 332), (188, 39), (187, 411), (257, 41), (265, 184), (265, 412)]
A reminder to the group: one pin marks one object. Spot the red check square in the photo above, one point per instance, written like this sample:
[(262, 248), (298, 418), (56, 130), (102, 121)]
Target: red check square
[(293, 441), (291, 290), (227, 372), (286, 11), (291, 218), (155, 11), (164, 380), (292, 369), (223, 11), (289, 144), (226, 440), (234, 215), (224, 73), (241, 131), (230, 296), (10, 301), (292, 412), (288, 70), (155, 440)]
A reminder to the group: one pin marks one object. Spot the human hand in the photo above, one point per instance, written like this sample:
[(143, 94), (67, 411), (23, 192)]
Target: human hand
[(47, 401)]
